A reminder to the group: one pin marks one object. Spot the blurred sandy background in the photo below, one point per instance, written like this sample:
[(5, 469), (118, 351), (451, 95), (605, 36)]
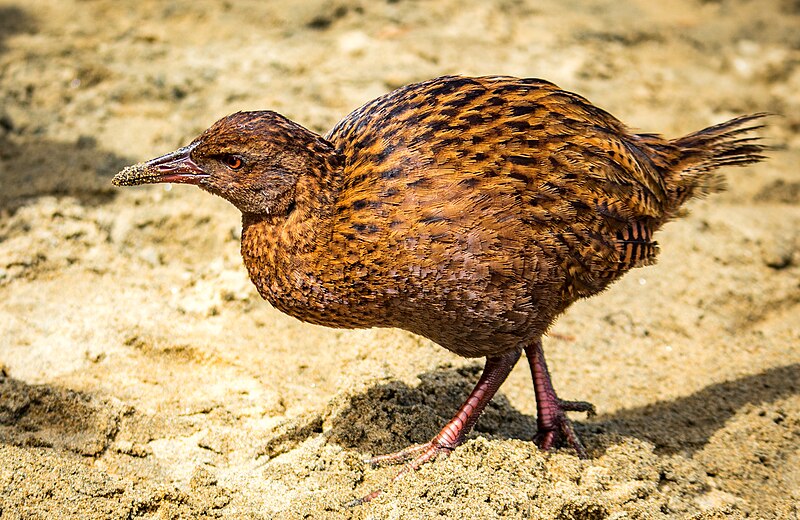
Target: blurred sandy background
[(141, 376)]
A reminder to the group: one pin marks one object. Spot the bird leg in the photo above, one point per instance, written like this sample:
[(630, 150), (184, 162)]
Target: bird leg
[(494, 373), (553, 426)]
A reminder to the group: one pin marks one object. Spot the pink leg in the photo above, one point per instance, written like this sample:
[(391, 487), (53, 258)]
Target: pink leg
[(494, 373), (553, 424)]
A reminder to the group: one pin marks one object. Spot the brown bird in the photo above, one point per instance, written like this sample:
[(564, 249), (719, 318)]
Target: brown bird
[(470, 211)]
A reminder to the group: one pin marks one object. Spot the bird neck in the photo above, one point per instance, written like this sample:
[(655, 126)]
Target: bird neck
[(312, 201), (282, 250), (318, 169)]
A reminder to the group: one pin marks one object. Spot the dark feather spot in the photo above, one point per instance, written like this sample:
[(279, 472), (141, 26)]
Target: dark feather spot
[(435, 126), (448, 86), (384, 154), (434, 218), (518, 176), (522, 110), (398, 110), (465, 98), (523, 160), (450, 142), (365, 228), (518, 126), (474, 119)]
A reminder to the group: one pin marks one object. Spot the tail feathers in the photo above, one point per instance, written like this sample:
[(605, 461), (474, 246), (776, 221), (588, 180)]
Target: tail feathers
[(700, 153)]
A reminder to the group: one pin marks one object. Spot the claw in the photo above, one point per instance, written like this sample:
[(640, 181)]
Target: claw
[(453, 434), (578, 406), (397, 457), (562, 431), (554, 427), (429, 451)]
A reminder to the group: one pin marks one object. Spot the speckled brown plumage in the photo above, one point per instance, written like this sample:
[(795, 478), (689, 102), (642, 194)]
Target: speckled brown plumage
[(471, 211)]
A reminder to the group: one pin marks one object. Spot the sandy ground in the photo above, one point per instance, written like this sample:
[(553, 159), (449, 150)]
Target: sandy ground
[(141, 376)]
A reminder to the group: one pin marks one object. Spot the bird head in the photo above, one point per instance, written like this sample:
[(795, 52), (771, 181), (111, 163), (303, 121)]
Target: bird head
[(254, 160)]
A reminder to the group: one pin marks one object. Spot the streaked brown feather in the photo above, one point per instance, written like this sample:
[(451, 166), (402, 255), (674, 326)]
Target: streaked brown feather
[(474, 210)]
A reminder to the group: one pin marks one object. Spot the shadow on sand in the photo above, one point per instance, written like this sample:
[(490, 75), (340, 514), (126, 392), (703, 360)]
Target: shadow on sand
[(390, 416), (35, 168), (32, 166)]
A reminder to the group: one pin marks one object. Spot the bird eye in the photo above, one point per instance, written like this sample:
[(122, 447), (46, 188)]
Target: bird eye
[(234, 162)]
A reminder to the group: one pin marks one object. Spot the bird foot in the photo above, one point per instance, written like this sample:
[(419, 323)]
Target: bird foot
[(556, 429), (496, 370), (419, 455), (553, 426), (428, 451)]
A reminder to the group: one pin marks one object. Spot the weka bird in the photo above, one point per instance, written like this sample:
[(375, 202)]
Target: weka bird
[(471, 211)]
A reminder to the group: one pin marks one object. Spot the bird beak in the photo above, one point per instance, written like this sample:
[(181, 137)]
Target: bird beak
[(176, 166)]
